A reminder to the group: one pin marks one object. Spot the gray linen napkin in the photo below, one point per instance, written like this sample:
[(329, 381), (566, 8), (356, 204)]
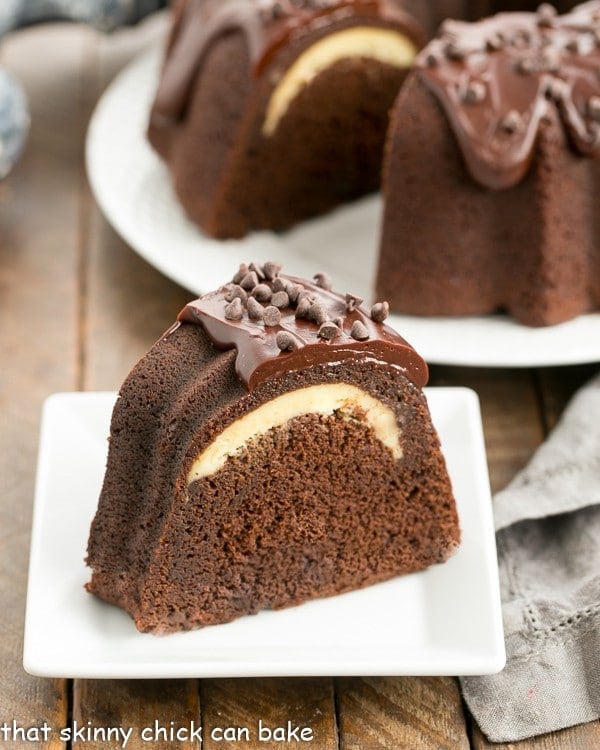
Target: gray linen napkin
[(548, 535)]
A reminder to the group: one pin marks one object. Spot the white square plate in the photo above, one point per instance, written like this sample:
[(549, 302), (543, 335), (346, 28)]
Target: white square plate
[(443, 621)]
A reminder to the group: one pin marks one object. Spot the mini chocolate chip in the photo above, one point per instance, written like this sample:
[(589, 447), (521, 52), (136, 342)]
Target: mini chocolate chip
[(525, 65), (475, 92), (271, 269), (594, 134), (546, 14), (280, 299), (593, 108), (550, 60), (318, 313), (262, 292), (242, 271), (278, 285), (234, 310), (303, 308), (454, 52), (380, 311), (328, 330), (293, 291), (556, 89), (431, 60), (323, 280), (572, 46), (352, 302), (257, 270), (305, 294), (235, 290), (255, 309), (271, 316), (359, 331), (249, 281), (277, 11), (285, 341), (339, 322), (495, 42), (512, 122)]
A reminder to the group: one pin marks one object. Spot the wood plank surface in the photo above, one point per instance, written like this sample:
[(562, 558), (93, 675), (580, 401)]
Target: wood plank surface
[(400, 713), (267, 711), (78, 308), (158, 714)]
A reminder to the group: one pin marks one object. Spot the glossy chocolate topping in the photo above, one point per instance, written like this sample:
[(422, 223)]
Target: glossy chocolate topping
[(498, 78), (280, 324), (267, 25)]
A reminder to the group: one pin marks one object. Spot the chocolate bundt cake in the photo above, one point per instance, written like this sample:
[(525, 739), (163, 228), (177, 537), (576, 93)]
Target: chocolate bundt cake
[(492, 175), (272, 447), (270, 112)]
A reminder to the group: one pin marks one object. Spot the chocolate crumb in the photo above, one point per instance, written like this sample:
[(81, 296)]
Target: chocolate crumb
[(359, 331), (249, 281), (271, 316), (280, 299), (234, 310), (262, 292), (255, 309), (380, 311), (328, 331), (431, 60), (285, 341), (271, 269), (323, 280)]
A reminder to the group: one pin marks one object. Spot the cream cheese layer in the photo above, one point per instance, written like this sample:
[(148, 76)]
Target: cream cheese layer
[(347, 401), (384, 45)]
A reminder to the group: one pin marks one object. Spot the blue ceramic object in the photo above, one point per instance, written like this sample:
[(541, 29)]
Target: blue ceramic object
[(105, 15)]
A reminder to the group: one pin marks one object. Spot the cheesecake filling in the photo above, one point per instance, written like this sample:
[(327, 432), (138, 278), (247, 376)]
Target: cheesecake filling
[(384, 45), (341, 399)]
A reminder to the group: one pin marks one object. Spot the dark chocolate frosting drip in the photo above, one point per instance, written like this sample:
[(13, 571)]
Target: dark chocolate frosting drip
[(498, 78), (267, 25), (279, 324)]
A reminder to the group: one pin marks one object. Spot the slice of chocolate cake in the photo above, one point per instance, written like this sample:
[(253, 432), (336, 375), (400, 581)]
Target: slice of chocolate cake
[(268, 112), (272, 447)]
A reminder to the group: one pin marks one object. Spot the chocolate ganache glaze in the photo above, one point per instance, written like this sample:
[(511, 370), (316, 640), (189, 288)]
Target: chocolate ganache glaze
[(496, 80), (280, 323), (267, 25)]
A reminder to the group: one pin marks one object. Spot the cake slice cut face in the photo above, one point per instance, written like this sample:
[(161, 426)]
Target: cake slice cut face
[(271, 112), (274, 446)]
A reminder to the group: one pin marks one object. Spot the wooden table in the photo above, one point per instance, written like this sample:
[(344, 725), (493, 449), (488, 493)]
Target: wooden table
[(77, 308)]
